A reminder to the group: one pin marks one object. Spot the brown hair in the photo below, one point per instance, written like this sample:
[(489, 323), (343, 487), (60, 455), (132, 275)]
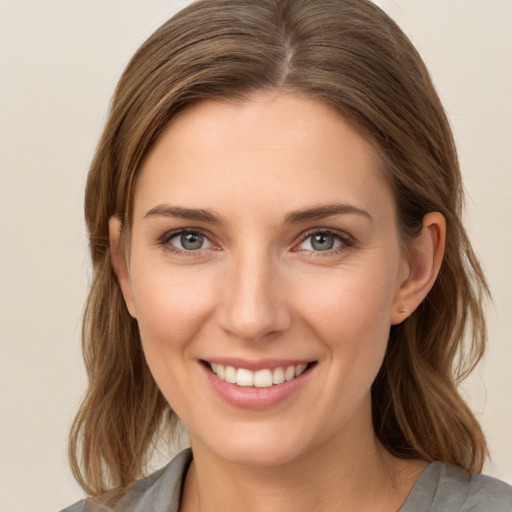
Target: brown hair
[(350, 55)]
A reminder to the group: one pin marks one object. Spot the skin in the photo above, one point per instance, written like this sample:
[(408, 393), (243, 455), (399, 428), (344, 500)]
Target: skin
[(258, 289)]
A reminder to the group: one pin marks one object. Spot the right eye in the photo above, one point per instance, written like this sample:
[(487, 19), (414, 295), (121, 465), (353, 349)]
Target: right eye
[(187, 241)]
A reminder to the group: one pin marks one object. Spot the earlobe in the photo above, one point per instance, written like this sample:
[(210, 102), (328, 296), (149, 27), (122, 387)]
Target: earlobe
[(119, 263), (425, 258)]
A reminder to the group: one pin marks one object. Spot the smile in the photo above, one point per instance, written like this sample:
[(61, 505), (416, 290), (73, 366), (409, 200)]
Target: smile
[(263, 378)]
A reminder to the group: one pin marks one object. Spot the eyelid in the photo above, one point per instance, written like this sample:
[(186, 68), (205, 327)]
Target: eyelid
[(346, 240), (169, 235)]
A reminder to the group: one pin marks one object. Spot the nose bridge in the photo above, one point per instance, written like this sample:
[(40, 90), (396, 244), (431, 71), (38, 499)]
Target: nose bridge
[(252, 299)]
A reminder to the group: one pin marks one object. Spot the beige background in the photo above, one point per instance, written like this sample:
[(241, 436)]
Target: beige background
[(59, 62)]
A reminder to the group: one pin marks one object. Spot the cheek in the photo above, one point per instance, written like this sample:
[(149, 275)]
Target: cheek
[(171, 306), (350, 317), (356, 298), (349, 310)]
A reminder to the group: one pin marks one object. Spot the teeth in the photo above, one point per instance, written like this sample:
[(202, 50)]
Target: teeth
[(244, 377), (289, 373), (263, 378), (259, 379), (278, 376), (299, 369), (230, 374)]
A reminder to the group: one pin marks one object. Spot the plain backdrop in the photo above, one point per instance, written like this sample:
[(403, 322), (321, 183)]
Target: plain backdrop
[(59, 62)]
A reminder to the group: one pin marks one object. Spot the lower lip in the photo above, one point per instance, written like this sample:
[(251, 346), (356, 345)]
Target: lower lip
[(251, 397)]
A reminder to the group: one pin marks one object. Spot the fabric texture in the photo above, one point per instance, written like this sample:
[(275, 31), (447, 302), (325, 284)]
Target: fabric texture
[(440, 488), (444, 488)]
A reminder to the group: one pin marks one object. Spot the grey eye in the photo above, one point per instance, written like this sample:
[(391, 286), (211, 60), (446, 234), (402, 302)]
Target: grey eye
[(321, 242), (190, 241)]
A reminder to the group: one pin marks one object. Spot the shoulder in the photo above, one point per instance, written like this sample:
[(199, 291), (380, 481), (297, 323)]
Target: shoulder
[(445, 488), (159, 492), (76, 507), (487, 493)]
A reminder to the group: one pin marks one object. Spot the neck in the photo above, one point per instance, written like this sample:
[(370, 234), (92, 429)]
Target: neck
[(350, 476)]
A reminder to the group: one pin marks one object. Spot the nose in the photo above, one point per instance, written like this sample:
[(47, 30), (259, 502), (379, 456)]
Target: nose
[(253, 299)]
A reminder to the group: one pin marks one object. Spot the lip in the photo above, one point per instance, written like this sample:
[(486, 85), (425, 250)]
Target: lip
[(253, 397)]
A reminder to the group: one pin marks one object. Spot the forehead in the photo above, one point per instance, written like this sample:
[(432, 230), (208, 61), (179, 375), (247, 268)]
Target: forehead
[(271, 150)]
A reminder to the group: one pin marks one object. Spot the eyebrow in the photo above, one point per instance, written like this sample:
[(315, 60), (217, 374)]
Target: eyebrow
[(185, 213), (319, 212), (293, 217)]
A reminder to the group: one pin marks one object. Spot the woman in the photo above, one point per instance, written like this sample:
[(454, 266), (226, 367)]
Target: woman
[(279, 261)]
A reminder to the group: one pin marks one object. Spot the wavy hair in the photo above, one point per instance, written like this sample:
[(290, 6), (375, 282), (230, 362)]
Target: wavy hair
[(351, 56)]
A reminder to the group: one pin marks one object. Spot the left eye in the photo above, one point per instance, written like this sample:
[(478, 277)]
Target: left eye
[(321, 241), (190, 241)]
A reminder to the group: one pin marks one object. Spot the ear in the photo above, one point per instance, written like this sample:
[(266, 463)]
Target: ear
[(119, 263), (422, 267)]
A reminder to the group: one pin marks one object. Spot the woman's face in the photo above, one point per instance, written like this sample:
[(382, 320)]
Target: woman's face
[(264, 246)]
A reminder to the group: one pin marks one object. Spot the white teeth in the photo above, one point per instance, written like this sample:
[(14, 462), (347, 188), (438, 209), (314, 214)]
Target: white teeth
[(289, 373), (278, 376), (259, 379), (263, 378), (244, 377), (230, 374), (299, 369)]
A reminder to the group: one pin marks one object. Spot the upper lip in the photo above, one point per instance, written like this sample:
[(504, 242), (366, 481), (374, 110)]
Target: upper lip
[(257, 364)]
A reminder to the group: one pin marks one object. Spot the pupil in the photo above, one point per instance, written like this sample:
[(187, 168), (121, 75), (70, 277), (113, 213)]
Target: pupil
[(191, 241), (322, 242)]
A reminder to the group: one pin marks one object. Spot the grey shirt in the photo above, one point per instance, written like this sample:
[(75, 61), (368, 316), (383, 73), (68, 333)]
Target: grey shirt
[(440, 488)]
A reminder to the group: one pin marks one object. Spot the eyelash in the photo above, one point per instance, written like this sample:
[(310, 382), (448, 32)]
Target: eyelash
[(346, 241), (167, 237)]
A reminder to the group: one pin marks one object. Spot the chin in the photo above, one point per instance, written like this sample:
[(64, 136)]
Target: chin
[(255, 448), (257, 456)]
